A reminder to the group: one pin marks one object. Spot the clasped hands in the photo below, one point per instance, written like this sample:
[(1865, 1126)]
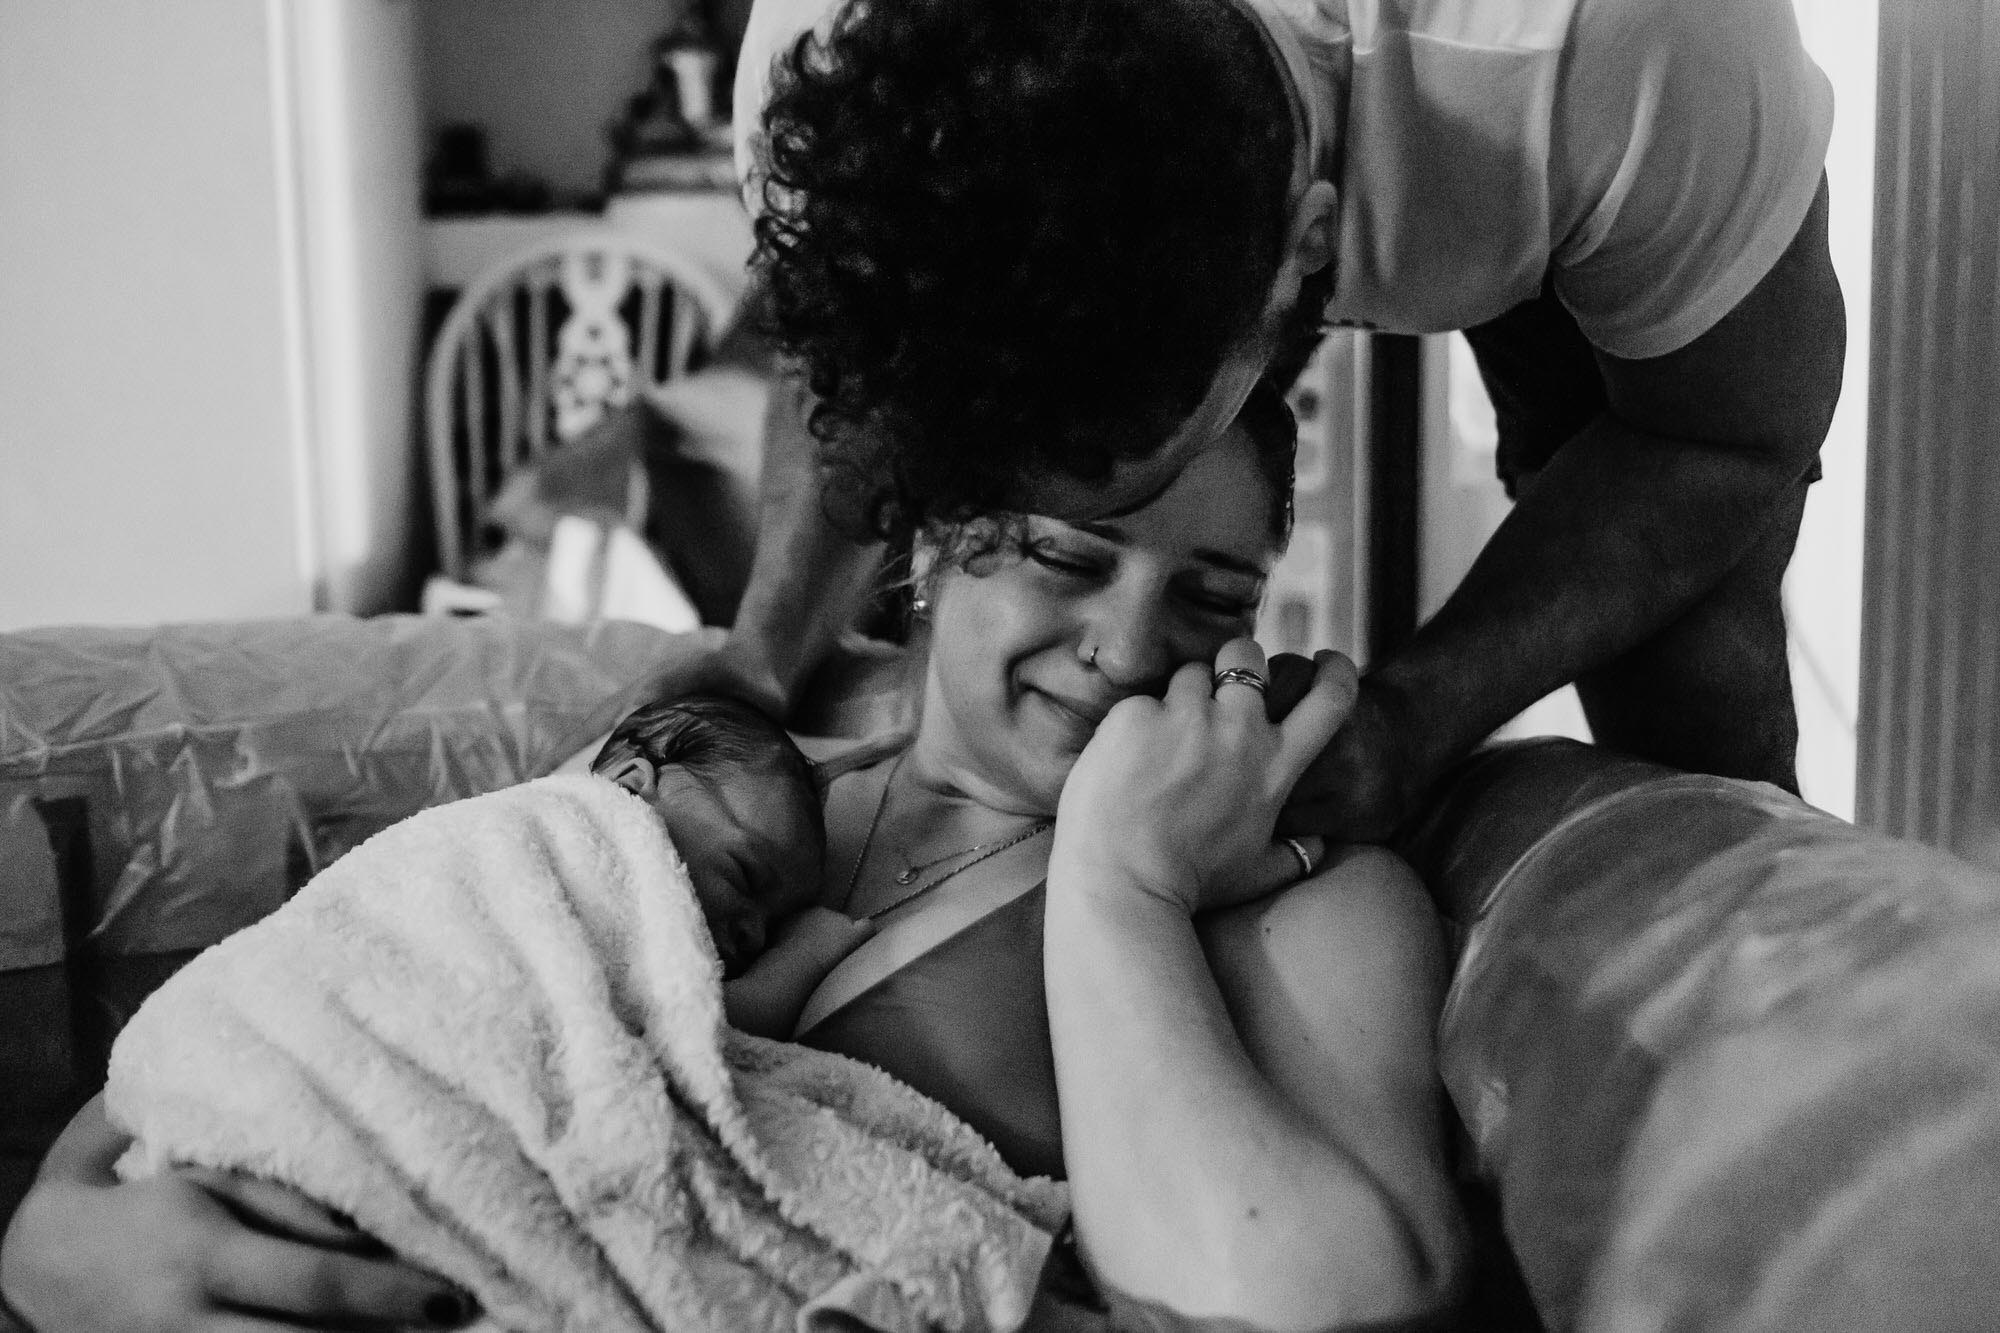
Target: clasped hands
[(1181, 797)]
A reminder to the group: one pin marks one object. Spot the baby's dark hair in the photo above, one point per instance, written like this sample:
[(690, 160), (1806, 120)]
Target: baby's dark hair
[(713, 737), (1011, 237)]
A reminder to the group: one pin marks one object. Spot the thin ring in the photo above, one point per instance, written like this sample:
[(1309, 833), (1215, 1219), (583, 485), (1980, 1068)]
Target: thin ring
[(1239, 676), (1305, 858), (1091, 661)]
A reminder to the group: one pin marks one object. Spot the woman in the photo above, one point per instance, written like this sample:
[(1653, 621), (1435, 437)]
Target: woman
[(1079, 949)]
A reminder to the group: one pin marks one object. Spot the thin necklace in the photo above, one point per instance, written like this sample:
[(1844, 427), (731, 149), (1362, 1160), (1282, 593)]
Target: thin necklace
[(908, 874), (984, 851)]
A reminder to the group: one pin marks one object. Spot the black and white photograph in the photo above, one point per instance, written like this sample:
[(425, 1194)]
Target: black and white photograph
[(1000, 666)]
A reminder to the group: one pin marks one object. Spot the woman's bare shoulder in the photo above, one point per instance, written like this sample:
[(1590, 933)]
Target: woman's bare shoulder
[(1375, 885), (1362, 898), (1352, 961)]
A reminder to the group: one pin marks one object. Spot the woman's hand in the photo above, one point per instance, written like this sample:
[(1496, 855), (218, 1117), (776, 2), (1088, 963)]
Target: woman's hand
[(1179, 797), (1279, 1055), (197, 1250)]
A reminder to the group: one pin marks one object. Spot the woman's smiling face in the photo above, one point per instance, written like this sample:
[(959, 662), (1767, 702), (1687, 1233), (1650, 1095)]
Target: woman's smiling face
[(1013, 693)]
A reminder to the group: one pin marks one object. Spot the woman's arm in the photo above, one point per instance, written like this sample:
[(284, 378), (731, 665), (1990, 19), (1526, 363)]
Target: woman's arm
[(1334, 987), (196, 1250), (1267, 1148)]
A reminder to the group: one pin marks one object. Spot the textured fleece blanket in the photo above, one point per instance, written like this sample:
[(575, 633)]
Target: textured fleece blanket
[(493, 1035)]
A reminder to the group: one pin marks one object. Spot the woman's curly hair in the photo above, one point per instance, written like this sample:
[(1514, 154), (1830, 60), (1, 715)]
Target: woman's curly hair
[(1004, 237)]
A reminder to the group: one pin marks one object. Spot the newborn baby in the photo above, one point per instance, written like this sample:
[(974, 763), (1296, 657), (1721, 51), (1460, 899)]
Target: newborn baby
[(520, 1039), (738, 800)]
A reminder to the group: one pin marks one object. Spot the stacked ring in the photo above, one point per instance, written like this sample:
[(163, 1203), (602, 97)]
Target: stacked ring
[(1239, 676)]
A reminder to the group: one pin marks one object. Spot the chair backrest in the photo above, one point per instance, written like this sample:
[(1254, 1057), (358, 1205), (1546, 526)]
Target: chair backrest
[(539, 349)]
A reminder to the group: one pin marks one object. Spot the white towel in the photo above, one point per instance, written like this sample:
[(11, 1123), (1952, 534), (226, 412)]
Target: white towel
[(493, 1035)]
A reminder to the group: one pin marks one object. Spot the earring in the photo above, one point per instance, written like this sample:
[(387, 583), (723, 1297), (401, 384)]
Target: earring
[(920, 604)]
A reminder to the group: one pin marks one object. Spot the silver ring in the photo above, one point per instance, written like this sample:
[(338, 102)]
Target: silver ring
[(1305, 860), (1239, 676), (1091, 660)]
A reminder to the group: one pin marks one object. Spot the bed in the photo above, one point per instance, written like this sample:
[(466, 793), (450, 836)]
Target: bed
[(1720, 1061)]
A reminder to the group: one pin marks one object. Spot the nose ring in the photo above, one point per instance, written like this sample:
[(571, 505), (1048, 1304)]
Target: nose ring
[(1091, 661)]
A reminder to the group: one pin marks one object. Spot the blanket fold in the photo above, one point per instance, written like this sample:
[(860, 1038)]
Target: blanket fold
[(493, 1035)]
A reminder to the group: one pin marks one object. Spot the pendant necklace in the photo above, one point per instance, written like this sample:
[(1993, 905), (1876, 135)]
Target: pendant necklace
[(908, 874), (976, 853)]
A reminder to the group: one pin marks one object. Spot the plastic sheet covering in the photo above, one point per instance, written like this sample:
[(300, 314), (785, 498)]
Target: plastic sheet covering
[(1732, 1063), (160, 788)]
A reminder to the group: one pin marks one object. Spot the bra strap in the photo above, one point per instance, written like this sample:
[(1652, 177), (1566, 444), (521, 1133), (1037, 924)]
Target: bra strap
[(900, 943)]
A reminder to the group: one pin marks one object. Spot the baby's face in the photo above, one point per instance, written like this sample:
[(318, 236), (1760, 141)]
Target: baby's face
[(749, 848)]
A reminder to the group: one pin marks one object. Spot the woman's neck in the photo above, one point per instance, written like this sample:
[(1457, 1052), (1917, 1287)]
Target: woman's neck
[(917, 831), (943, 764)]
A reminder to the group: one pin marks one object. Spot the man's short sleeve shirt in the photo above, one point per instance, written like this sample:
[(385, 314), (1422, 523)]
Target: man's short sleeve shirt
[(1654, 156)]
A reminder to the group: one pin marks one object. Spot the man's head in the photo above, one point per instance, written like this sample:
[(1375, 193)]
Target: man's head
[(738, 800), (1018, 243)]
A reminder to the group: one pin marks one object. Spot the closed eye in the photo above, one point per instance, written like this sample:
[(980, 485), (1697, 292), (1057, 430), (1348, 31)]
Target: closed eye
[(1223, 610), (1051, 557), (739, 873), (1231, 605)]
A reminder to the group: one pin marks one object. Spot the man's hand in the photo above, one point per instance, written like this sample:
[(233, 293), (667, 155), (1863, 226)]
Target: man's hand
[(1363, 784), (706, 662), (734, 665)]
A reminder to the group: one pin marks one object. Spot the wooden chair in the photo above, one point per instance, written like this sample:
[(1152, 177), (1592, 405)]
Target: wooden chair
[(539, 350)]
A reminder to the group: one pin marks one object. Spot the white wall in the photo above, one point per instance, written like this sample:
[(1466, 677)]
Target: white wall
[(143, 412), (204, 401), (355, 136), (545, 77), (1823, 587)]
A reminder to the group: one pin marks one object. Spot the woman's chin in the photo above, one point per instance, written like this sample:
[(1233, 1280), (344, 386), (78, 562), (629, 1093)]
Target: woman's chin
[(1037, 783), (1028, 757), (1058, 730)]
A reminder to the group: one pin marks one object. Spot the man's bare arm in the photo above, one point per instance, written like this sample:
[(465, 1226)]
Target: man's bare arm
[(1625, 529), (807, 579)]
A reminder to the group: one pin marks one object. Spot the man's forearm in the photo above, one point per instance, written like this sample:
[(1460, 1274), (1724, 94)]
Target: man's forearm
[(1628, 524), (1617, 536), (808, 579)]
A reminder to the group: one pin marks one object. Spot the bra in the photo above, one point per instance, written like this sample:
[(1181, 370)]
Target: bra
[(966, 1023)]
